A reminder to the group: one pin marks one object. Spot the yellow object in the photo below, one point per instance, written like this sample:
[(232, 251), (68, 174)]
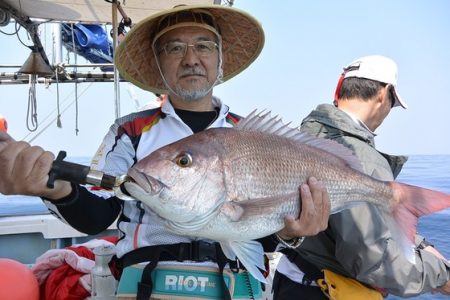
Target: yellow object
[(338, 287)]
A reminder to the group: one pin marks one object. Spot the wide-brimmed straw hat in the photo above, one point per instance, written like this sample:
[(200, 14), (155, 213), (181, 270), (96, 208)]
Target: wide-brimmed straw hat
[(241, 34)]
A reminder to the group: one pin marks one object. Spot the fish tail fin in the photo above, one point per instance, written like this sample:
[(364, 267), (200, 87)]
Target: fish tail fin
[(412, 202)]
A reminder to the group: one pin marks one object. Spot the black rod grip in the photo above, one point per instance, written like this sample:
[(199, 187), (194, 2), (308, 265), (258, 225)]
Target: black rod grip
[(67, 171)]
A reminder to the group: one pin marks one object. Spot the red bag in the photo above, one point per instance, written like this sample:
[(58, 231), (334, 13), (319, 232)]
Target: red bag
[(64, 274)]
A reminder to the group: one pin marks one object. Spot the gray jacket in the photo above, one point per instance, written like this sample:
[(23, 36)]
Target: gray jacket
[(358, 243)]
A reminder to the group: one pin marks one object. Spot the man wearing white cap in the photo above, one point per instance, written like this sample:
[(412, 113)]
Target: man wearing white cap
[(376, 68), (358, 243), (183, 53)]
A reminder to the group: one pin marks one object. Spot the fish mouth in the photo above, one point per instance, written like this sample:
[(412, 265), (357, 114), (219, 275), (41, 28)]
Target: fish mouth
[(147, 183)]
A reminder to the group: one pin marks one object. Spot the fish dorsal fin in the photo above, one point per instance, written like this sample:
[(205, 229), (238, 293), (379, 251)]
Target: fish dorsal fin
[(264, 122)]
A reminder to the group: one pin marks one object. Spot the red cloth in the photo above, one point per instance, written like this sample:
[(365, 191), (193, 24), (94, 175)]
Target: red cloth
[(61, 278)]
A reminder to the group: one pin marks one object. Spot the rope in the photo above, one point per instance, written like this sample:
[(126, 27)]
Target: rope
[(32, 105), (58, 118), (76, 84), (51, 121), (12, 33)]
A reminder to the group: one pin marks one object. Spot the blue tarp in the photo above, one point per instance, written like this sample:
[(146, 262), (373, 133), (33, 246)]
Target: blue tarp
[(91, 42)]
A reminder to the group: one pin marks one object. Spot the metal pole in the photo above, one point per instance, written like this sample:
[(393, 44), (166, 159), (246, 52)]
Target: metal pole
[(116, 73), (57, 44), (29, 25)]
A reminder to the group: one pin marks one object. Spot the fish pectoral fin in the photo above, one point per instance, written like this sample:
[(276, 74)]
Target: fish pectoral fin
[(241, 210), (232, 210), (249, 253)]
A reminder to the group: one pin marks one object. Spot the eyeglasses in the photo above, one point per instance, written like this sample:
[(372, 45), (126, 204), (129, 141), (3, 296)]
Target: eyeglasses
[(179, 49)]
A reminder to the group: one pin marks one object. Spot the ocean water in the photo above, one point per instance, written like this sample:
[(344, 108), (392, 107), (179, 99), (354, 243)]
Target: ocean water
[(432, 172), (426, 171)]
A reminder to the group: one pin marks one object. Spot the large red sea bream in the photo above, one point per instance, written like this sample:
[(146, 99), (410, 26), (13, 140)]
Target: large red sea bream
[(234, 185)]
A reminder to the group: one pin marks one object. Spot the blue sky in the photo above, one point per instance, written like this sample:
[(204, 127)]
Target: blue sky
[(307, 44)]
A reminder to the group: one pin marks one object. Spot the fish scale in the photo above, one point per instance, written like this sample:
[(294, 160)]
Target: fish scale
[(293, 164)]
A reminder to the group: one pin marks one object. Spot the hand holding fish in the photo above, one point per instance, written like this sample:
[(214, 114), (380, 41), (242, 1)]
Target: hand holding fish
[(25, 169), (313, 218)]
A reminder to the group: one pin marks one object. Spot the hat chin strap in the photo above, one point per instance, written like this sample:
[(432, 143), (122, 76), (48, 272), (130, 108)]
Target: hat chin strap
[(217, 81)]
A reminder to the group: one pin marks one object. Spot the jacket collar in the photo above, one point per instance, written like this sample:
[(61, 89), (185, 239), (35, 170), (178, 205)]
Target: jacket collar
[(331, 116)]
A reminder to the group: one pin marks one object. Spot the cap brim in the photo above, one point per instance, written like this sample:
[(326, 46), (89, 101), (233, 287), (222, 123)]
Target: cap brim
[(398, 100)]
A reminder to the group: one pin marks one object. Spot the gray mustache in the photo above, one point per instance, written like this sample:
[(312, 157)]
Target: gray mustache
[(193, 71)]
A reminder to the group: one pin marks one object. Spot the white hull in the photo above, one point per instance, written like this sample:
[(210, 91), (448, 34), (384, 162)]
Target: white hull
[(24, 238)]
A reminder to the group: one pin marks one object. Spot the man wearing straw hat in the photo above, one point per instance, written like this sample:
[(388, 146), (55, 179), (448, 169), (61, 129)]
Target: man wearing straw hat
[(183, 53)]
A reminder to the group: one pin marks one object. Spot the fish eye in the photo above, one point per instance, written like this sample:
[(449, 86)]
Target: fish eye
[(184, 160)]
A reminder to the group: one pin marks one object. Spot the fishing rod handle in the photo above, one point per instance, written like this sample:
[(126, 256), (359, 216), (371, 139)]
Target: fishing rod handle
[(79, 174), (68, 171)]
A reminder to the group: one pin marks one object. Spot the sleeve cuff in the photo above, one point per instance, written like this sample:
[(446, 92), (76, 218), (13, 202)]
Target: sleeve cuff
[(292, 243), (66, 201)]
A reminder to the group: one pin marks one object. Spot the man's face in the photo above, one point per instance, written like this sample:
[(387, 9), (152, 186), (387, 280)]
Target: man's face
[(192, 75)]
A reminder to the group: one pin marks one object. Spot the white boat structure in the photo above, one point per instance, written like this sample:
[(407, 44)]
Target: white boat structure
[(25, 237)]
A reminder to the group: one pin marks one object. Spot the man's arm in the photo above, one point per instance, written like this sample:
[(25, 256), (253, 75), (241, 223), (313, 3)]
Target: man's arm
[(367, 251), (25, 169)]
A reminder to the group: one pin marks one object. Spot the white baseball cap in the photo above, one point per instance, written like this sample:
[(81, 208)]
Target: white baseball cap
[(376, 67)]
